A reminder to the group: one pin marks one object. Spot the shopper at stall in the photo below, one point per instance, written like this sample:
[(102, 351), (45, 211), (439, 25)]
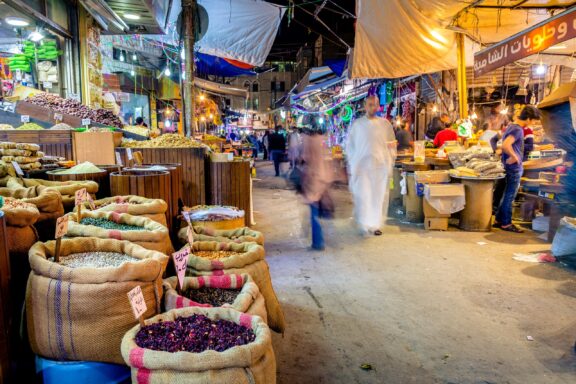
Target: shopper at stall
[(294, 146), (447, 134), (371, 152), (437, 124), (512, 155), (277, 148), (528, 142), (140, 122), (404, 136)]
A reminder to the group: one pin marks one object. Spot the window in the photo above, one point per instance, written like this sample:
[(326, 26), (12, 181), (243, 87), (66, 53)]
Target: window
[(255, 103), (247, 85), (273, 85), (255, 86), (282, 86)]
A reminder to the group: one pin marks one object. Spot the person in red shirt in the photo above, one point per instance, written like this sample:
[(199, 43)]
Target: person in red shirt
[(447, 134)]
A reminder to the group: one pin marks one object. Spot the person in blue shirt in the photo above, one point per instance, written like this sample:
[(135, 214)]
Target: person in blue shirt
[(512, 156)]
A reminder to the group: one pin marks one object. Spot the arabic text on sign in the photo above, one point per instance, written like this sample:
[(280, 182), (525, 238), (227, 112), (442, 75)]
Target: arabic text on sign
[(61, 227), (137, 302)]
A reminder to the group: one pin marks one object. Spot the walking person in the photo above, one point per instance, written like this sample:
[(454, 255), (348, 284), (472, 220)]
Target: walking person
[(277, 148), (316, 180), (512, 156), (265, 145), (371, 152), (294, 146)]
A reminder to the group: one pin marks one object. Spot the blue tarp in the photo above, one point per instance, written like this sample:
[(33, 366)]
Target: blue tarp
[(212, 65), (338, 66)]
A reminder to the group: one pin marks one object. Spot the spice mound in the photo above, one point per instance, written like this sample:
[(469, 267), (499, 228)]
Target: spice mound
[(214, 255), (95, 260), (213, 296), (196, 334), (109, 224), (12, 203)]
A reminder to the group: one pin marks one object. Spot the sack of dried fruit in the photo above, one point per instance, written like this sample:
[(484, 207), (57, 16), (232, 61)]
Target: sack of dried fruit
[(239, 235), (78, 309), (48, 202), (213, 258), (122, 226), (154, 209), (19, 213), (210, 345), (66, 188), (238, 292)]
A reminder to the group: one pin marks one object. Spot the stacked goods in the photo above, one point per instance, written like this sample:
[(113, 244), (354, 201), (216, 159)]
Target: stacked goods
[(122, 226), (20, 220), (75, 108), (169, 140), (141, 131), (77, 309), (30, 127), (476, 162), (239, 235), (247, 258), (47, 201), (48, 51), (51, 161), (28, 156), (210, 345), (154, 209), (238, 292), (20, 61)]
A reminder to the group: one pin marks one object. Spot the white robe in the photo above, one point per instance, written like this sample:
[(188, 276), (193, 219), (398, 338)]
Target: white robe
[(371, 152)]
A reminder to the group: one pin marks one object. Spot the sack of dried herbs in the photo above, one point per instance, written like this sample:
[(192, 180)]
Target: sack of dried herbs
[(240, 352), (154, 209), (238, 292), (249, 258), (239, 235), (122, 226), (77, 309)]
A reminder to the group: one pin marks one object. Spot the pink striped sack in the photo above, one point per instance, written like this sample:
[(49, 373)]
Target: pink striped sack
[(253, 363), (238, 235), (249, 300)]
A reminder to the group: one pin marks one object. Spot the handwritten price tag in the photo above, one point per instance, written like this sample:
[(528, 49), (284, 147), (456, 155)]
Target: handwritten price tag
[(186, 216), (58, 117), (25, 118), (190, 234), (137, 302), (17, 168), (47, 84), (86, 122), (81, 196), (119, 159), (129, 153), (61, 227), (91, 202), (180, 262)]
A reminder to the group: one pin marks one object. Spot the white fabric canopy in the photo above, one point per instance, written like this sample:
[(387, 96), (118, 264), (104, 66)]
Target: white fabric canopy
[(397, 38)]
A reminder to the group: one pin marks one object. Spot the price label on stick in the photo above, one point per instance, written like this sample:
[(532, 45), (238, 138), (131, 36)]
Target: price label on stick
[(91, 202), (47, 84), (86, 122), (61, 227), (25, 118), (180, 262), (186, 216), (138, 304), (129, 154), (81, 196), (17, 169), (119, 159), (58, 117)]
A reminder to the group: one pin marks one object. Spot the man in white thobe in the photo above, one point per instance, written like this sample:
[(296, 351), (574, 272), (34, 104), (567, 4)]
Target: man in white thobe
[(371, 152)]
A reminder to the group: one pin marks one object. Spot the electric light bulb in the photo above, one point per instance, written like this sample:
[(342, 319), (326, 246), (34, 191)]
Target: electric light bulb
[(134, 57), (132, 73), (167, 71), (541, 69), (202, 97), (167, 123), (121, 57), (434, 109), (321, 120)]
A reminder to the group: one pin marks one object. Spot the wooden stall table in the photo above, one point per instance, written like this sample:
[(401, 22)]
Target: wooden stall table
[(52, 143), (229, 184), (477, 215), (438, 164), (99, 177)]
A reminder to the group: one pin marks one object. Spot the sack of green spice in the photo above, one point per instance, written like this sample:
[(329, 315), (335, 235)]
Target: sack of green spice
[(239, 235), (154, 209), (248, 300), (250, 261), (122, 226), (82, 313), (252, 363)]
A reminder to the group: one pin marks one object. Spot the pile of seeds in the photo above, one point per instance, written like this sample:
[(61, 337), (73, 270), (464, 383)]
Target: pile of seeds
[(213, 296), (95, 260), (196, 334), (11, 203), (109, 224), (214, 255)]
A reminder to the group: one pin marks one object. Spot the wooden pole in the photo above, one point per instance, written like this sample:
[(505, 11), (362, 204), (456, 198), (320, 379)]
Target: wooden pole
[(188, 14), (461, 77)]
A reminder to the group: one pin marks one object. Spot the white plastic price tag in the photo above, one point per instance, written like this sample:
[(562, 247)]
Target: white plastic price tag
[(25, 118), (129, 154), (17, 168), (86, 122)]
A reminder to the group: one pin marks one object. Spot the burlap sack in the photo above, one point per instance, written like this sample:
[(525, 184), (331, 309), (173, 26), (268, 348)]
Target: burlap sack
[(66, 188), (20, 239), (249, 300), (252, 363), (240, 235), (154, 209), (154, 236), (82, 313), (48, 201), (23, 215), (252, 263)]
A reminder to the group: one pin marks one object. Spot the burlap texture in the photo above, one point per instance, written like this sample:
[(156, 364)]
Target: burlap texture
[(20, 216), (82, 313), (252, 363), (249, 253), (240, 235), (20, 239), (48, 201), (155, 236), (249, 300), (154, 209)]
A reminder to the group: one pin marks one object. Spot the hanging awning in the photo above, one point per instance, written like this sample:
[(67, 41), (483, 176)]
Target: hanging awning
[(397, 38), (221, 89), (217, 66)]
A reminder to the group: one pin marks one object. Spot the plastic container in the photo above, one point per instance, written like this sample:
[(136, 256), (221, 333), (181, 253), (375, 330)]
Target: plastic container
[(420, 152), (85, 372)]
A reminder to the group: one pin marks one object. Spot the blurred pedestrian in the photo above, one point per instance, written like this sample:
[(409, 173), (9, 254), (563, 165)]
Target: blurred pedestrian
[(265, 144), (371, 152), (294, 146), (404, 136), (277, 148)]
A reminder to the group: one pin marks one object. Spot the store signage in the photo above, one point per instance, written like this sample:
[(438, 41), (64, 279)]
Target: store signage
[(25, 118), (86, 122), (180, 262), (61, 227), (529, 42), (47, 84), (17, 168), (137, 302)]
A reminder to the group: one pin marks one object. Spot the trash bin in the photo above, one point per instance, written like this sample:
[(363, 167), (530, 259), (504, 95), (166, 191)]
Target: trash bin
[(85, 372)]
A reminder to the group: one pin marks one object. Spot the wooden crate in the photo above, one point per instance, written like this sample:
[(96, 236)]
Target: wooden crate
[(229, 184), (95, 147), (46, 114), (52, 143), (193, 171)]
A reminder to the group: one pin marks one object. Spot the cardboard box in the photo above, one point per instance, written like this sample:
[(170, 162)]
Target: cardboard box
[(430, 211), (449, 197), (436, 223), (95, 147)]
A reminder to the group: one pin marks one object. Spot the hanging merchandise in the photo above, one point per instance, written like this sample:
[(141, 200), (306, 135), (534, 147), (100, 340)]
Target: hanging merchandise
[(465, 128)]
